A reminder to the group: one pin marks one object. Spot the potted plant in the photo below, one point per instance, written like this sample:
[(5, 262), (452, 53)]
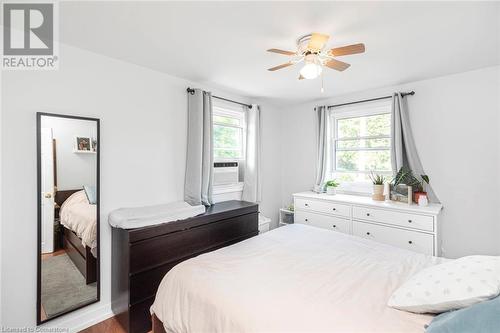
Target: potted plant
[(331, 187), (378, 186), (421, 189), (403, 186)]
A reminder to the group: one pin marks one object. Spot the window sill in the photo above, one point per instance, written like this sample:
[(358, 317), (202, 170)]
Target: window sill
[(356, 193)]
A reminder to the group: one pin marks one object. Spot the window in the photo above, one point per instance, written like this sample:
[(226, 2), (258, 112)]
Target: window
[(361, 144), (229, 134)]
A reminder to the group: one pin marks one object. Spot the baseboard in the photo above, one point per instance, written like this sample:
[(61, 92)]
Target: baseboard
[(82, 319), (98, 315)]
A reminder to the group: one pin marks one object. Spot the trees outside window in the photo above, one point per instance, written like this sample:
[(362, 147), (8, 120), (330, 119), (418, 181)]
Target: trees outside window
[(360, 144)]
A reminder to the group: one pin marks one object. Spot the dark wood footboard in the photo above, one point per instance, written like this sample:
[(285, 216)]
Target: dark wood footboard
[(141, 257)]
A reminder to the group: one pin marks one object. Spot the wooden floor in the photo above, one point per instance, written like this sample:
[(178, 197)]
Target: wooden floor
[(53, 254), (110, 325)]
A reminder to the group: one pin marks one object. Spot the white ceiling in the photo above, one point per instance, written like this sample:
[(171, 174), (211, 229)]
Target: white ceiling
[(224, 43)]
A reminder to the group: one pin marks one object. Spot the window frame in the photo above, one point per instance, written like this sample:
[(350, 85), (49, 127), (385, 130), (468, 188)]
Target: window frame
[(365, 109), (231, 112)]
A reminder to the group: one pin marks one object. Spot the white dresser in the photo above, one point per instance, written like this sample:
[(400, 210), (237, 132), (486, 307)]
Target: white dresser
[(407, 226)]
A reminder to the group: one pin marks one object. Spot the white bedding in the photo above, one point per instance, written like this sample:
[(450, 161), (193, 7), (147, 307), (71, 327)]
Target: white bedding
[(292, 279), (137, 217), (81, 217)]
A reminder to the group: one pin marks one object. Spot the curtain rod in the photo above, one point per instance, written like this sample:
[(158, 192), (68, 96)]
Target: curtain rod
[(411, 93), (191, 91)]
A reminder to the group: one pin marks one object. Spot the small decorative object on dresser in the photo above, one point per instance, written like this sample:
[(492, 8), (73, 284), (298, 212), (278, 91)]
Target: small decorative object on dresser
[(420, 192), (331, 187), (423, 201), (402, 193), (378, 186)]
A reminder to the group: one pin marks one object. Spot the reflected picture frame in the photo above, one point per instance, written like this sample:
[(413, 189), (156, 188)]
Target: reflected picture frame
[(83, 144)]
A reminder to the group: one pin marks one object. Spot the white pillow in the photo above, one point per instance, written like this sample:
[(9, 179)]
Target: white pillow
[(453, 285)]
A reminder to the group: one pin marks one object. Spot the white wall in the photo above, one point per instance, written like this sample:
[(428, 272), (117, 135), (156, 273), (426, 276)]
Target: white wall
[(73, 169), (143, 150), (271, 160), (455, 121)]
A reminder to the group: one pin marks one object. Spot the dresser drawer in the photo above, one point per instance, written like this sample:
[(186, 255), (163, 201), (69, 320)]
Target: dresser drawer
[(407, 220), (322, 221), (323, 207), (410, 240)]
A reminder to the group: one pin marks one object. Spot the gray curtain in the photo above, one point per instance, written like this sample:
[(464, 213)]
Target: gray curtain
[(404, 151), (252, 190), (199, 161), (321, 113)]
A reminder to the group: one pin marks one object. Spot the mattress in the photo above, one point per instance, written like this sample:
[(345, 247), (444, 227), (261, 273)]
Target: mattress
[(138, 217), (79, 216), (295, 278)]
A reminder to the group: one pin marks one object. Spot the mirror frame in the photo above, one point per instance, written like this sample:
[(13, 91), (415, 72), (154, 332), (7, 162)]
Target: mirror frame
[(39, 116)]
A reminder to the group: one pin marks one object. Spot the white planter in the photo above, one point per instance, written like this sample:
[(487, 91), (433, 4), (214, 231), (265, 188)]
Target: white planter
[(331, 190), (378, 193)]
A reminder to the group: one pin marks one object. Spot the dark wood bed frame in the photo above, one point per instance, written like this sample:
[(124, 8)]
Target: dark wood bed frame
[(72, 244), (141, 257)]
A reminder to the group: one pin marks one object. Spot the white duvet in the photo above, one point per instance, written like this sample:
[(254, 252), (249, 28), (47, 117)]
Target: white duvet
[(81, 217), (292, 279)]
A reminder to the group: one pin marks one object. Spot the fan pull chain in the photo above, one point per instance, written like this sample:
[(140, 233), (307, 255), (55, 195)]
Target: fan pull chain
[(322, 83)]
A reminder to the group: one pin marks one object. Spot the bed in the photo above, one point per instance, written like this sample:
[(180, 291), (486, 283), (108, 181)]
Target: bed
[(292, 279), (79, 221)]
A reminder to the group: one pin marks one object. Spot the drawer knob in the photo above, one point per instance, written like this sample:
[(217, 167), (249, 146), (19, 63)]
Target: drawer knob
[(367, 214), (410, 221), (334, 226), (410, 242), (334, 208), (307, 220), (368, 233)]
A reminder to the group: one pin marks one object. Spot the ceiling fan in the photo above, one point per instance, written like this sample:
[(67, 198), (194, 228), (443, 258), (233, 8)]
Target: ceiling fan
[(311, 50)]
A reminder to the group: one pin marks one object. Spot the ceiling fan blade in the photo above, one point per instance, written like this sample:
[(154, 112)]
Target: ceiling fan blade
[(337, 65), (272, 69), (317, 41), (301, 77), (281, 52), (346, 50)]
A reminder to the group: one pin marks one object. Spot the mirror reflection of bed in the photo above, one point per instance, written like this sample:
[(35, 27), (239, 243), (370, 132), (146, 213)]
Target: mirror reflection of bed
[(68, 217)]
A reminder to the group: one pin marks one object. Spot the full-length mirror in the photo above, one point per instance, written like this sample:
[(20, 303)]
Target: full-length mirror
[(68, 214)]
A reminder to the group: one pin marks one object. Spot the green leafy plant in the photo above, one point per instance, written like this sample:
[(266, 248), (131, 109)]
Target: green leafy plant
[(332, 183), (425, 180), (406, 176), (377, 179)]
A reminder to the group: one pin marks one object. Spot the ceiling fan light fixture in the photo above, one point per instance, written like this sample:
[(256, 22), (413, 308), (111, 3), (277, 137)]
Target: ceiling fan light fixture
[(312, 69), (311, 49)]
